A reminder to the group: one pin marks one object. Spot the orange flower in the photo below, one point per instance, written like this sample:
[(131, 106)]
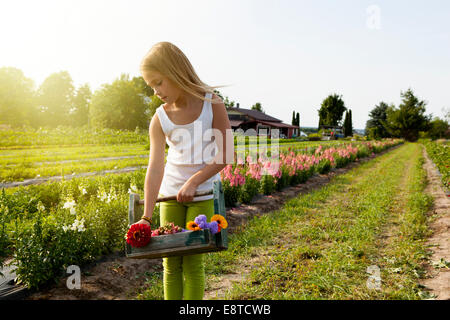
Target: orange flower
[(221, 221), (191, 225)]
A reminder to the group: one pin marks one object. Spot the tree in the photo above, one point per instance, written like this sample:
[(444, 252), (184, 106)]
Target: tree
[(350, 124), (257, 106), (226, 101), (142, 86), (120, 105), (409, 118), (295, 119), (79, 114), (55, 97), (376, 125), (439, 129), (17, 98), (331, 111), (348, 127)]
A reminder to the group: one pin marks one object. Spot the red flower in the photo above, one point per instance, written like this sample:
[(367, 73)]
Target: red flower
[(139, 235)]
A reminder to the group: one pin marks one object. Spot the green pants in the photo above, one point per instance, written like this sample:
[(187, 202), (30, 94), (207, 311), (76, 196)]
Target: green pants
[(184, 276)]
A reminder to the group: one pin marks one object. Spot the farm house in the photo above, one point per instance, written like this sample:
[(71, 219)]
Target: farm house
[(245, 119)]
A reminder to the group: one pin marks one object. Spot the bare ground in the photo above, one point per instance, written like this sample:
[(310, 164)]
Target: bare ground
[(438, 279), (116, 277)]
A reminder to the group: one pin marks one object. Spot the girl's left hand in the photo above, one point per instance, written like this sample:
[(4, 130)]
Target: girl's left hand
[(187, 192)]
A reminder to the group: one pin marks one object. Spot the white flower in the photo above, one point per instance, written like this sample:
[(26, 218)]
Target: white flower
[(133, 189), (78, 225), (40, 206), (82, 189), (65, 228), (70, 205)]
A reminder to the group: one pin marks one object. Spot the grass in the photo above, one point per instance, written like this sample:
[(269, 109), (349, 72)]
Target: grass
[(321, 244)]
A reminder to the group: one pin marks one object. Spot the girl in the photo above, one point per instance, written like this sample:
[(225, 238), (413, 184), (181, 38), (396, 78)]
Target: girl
[(191, 112)]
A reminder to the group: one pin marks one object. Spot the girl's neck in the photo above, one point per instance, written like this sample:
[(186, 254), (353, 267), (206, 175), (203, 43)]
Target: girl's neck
[(184, 101)]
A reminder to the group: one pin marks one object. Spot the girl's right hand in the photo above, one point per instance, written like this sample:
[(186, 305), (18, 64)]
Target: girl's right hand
[(144, 222)]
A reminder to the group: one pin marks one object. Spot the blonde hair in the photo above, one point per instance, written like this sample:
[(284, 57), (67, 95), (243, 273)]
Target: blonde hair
[(171, 62)]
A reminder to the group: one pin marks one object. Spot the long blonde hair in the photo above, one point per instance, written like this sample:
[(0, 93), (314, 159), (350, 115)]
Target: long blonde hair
[(171, 62)]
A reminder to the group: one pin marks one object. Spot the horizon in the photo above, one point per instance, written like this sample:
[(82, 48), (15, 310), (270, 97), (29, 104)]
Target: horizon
[(287, 56)]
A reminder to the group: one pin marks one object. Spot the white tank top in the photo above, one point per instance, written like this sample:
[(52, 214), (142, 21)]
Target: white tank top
[(191, 147)]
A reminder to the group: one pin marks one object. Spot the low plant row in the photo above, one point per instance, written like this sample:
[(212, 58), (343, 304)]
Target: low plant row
[(439, 152), (261, 175)]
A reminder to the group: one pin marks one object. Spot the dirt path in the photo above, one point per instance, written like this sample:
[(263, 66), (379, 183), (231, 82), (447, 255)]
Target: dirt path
[(438, 281), (116, 277)]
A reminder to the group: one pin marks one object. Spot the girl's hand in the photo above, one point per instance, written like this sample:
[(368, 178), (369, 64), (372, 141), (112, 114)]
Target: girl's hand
[(187, 192), (143, 222)]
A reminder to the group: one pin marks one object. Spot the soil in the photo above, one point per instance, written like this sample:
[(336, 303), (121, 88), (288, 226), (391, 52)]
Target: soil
[(438, 279), (116, 277)]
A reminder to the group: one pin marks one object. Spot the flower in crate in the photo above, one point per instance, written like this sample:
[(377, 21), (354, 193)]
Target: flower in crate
[(213, 226), (221, 221), (200, 220), (168, 228), (138, 235), (192, 225), (217, 223)]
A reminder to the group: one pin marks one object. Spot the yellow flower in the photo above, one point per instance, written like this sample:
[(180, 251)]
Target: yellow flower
[(191, 225), (221, 221)]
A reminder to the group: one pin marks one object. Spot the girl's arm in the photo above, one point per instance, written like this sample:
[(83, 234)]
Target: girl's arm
[(155, 170), (225, 144)]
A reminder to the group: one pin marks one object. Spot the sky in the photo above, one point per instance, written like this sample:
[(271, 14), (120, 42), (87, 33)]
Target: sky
[(286, 54)]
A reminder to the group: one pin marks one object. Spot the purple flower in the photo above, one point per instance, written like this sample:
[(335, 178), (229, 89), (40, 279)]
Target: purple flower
[(213, 226), (201, 221)]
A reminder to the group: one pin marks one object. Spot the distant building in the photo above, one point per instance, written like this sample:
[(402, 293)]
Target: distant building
[(253, 119)]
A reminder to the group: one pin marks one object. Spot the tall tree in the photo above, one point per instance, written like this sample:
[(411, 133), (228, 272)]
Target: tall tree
[(409, 118), (55, 97), (79, 114), (350, 124), (376, 125), (17, 98), (297, 119), (331, 111), (345, 126), (293, 118), (119, 105)]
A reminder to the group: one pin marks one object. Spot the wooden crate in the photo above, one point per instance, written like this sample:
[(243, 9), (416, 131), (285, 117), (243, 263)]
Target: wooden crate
[(182, 243)]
